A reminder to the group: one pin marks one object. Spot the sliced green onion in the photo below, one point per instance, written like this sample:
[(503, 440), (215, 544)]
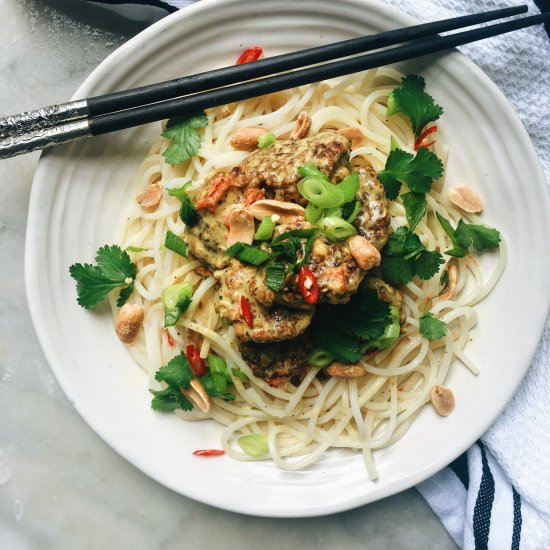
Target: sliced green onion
[(275, 275), (247, 253), (179, 192), (254, 444), (217, 365), (321, 192), (336, 229), (344, 211), (298, 233), (176, 300), (310, 171), (391, 332), (188, 213), (135, 249), (220, 382), (320, 358), (175, 244), (313, 213), (265, 230), (393, 144), (239, 374), (349, 187), (354, 212), (265, 140)]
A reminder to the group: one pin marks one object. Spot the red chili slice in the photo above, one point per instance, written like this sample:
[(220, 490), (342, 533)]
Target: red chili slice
[(307, 283), (209, 452), (251, 54), (195, 360), (245, 310), (170, 339), (418, 143)]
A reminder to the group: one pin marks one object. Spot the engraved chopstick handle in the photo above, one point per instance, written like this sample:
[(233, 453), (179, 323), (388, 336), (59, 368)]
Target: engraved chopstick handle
[(41, 119), (44, 137)]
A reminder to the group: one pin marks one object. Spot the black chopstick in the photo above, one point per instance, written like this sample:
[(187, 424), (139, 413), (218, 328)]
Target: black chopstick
[(112, 122), (49, 117), (76, 127), (239, 73)]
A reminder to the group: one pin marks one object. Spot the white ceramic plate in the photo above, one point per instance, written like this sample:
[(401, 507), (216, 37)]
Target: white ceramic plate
[(75, 205)]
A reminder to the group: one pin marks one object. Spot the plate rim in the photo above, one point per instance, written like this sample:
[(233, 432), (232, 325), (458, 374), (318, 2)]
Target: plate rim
[(50, 352)]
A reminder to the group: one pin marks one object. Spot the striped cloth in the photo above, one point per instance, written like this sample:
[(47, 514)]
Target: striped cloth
[(496, 495)]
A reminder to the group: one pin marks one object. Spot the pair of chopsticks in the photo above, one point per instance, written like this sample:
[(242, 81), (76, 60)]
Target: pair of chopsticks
[(98, 115)]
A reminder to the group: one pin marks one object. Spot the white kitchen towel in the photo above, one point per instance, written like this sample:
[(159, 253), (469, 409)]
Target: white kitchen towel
[(497, 495)]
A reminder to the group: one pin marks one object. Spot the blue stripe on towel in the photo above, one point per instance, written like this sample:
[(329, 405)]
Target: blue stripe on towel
[(460, 468), (516, 535), (484, 504)]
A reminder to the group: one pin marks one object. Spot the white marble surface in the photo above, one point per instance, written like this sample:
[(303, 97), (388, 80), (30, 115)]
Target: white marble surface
[(60, 485)]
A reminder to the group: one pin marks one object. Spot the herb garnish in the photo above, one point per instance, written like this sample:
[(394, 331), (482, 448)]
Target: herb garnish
[(432, 328), (346, 330), (177, 374), (186, 141), (405, 257), (481, 237), (175, 244), (189, 215), (113, 269), (411, 100), (418, 172)]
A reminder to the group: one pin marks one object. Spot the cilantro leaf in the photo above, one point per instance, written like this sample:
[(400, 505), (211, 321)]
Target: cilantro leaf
[(417, 172), (367, 316), (481, 237), (427, 263), (458, 250), (177, 373), (404, 257), (275, 275), (338, 342), (416, 206), (432, 328), (396, 270), (186, 141), (169, 399), (344, 331), (411, 100), (94, 282)]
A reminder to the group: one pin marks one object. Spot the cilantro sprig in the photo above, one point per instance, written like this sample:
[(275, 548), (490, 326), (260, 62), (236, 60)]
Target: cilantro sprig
[(410, 99), (432, 328), (113, 269), (405, 257), (345, 331), (480, 237), (417, 172), (186, 141)]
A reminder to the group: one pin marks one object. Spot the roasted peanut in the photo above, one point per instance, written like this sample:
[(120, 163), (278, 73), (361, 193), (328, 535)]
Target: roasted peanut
[(354, 134), (128, 323), (246, 139), (442, 399), (288, 212), (150, 197), (198, 395), (341, 370), (448, 291), (466, 198), (303, 126), (241, 226), (366, 254)]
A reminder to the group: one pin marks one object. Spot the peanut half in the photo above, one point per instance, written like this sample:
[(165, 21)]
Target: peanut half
[(246, 139), (366, 254), (198, 395), (354, 134), (150, 197), (466, 198), (303, 126), (288, 212), (442, 399), (128, 323)]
